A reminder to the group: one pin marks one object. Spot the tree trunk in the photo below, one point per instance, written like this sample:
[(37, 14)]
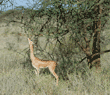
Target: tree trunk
[(95, 60)]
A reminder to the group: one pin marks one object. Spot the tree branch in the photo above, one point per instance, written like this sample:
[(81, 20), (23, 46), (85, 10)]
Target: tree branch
[(94, 55)]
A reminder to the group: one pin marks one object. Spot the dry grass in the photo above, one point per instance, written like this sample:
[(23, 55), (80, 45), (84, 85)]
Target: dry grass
[(17, 80)]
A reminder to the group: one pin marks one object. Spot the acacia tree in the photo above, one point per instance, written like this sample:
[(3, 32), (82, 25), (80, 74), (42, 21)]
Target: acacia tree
[(84, 20)]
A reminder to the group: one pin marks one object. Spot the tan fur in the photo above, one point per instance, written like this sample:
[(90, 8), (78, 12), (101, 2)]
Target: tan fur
[(37, 63)]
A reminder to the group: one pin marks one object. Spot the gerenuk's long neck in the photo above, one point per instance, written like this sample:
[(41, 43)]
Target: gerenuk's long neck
[(31, 52)]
